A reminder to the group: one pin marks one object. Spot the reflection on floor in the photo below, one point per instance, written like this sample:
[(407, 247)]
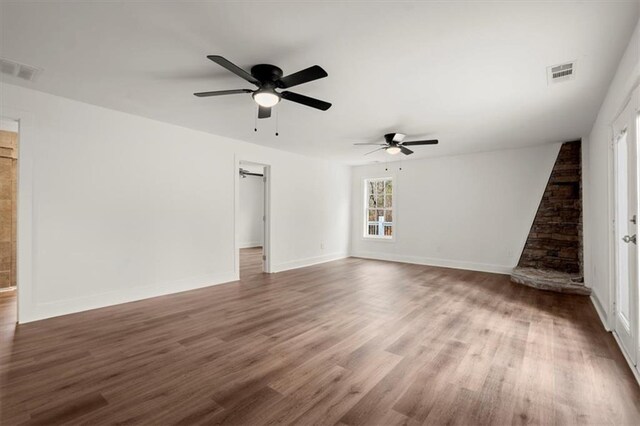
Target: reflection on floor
[(250, 262), (8, 317)]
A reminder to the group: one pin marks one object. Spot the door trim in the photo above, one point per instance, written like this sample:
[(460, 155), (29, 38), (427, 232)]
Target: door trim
[(266, 244), (26, 305)]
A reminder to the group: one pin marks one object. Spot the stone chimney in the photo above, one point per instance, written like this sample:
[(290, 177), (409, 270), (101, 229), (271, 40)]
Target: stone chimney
[(552, 256)]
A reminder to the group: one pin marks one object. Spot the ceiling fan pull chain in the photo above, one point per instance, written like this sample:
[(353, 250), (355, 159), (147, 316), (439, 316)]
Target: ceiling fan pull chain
[(255, 121), (277, 117)]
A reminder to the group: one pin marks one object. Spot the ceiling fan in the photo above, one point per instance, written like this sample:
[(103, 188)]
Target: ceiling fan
[(268, 78), (394, 144)]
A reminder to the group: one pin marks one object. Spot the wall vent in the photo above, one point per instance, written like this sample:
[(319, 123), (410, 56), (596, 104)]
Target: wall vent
[(561, 72), (15, 69)]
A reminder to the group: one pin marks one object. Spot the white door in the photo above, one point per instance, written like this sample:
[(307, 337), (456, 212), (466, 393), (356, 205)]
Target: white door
[(626, 227)]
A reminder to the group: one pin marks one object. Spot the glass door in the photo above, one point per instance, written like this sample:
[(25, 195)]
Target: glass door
[(626, 227)]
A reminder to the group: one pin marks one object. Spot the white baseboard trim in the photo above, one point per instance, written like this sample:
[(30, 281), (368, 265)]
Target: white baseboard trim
[(633, 368), (444, 263), (63, 307), (605, 322), (250, 244), (309, 261), (599, 309)]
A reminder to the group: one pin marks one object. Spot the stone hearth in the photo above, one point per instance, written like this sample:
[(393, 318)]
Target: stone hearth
[(546, 279)]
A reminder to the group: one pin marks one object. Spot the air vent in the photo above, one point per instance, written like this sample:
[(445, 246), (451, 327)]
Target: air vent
[(15, 69), (562, 72)]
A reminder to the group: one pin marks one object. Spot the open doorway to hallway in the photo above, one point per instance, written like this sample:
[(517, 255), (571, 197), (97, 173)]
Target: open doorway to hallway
[(8, 219), (252, 235)]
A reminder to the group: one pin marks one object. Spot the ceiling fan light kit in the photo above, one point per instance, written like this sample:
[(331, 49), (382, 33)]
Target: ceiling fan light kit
[(393, 150), (266, 97)]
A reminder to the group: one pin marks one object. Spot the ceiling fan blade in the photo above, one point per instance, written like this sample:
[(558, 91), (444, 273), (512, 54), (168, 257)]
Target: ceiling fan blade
[(305, 100), (368, 143), (234, 69), (426, 142), (312, 73), (222, 92), (405, 151), (264, 112), (375, 150)]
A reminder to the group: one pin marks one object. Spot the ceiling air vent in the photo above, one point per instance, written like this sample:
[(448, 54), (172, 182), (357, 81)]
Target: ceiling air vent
[(15, 69), (562, 72)]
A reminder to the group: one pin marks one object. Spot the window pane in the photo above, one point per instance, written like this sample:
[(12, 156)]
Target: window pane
[(378, 212)]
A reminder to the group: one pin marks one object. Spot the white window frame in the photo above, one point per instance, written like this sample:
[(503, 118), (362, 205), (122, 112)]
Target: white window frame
[(365, 210)]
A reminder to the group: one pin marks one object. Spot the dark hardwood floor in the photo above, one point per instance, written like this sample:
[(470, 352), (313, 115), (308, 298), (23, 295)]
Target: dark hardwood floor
[(348, 342)]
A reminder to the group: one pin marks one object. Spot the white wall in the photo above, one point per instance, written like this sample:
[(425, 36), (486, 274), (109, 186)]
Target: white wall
[(596, 179), (115, 207), (250, 225), (8, 125), (470, 211)]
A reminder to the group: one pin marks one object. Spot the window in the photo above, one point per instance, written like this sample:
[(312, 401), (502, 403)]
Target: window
[(378, 194)]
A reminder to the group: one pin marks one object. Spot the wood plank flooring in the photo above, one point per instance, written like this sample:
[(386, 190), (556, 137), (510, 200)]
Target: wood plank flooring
[(351, 342)]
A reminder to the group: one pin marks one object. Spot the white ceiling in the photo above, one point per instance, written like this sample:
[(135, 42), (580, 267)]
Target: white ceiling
[(472, 74)]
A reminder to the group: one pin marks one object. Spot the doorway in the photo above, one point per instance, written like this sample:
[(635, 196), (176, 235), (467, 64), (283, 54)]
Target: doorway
[(625, 167), (8, 219), (252, 235)]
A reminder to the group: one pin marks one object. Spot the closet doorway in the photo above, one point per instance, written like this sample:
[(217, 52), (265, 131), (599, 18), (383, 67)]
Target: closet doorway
[(252, 219)]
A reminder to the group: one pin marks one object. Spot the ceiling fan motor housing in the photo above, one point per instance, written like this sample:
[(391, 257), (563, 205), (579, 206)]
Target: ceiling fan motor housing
[(267, 73)]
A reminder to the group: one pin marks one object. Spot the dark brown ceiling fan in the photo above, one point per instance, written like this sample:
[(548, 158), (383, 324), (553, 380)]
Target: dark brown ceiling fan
[(268, 78), (394, 144)]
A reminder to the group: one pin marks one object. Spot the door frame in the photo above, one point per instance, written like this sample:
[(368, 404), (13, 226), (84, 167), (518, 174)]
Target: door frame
[(634, 100), (266, 244), (13, 162), (26, 307)]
